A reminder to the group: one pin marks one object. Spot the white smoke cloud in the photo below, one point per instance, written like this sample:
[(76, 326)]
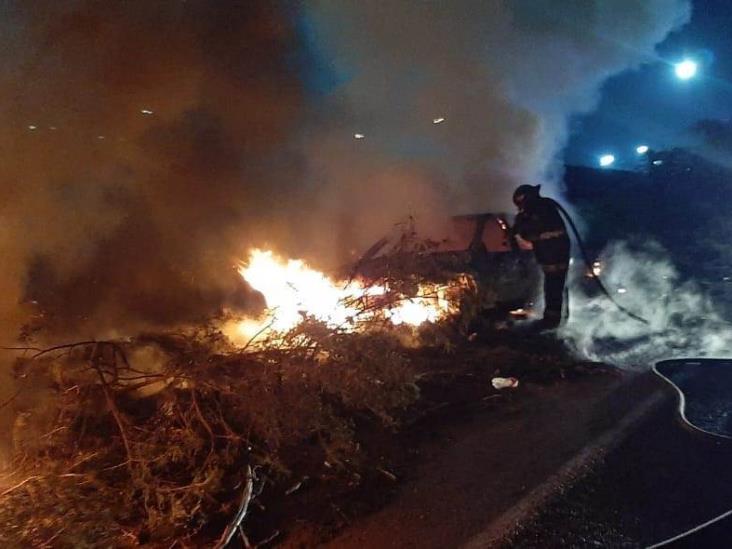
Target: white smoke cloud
[(683, 320), (505, 76)]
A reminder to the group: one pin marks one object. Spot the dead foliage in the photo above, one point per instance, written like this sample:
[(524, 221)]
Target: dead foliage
[(154, 439), (159, 451)]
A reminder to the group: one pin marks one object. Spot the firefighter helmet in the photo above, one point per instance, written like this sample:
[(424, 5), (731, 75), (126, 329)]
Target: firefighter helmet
[(525, 191)]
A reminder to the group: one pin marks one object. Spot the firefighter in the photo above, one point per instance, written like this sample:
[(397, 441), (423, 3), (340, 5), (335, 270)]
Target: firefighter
[(539, 226)]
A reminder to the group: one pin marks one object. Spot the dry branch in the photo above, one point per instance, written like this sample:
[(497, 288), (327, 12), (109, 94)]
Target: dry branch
[(235, 524)]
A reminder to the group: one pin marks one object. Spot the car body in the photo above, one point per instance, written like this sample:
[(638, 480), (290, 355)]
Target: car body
[(480, 245)]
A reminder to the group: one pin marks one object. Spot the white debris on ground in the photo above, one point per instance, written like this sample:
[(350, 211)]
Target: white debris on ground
[(504, 382)]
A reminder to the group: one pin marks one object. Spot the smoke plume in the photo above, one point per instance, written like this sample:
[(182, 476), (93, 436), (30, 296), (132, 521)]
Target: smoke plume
[(505, 77), (683, 321), (147, 145), (135, 137)]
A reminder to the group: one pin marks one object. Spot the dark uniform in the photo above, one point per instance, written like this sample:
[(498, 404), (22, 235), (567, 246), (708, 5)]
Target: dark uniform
[(540, 223)]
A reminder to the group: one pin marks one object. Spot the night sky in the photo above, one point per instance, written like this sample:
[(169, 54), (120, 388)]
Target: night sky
[(650, 105)]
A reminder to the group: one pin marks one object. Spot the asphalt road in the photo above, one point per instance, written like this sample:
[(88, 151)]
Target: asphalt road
[(482, 476), (662, 480)]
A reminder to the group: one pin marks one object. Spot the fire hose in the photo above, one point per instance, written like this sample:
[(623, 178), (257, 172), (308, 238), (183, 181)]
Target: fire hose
[(588, 263), (682, 413)]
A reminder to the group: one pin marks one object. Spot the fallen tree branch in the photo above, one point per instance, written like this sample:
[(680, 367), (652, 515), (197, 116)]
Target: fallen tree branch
[(11, 399), (113, 409), (235, 524), (20, 484)]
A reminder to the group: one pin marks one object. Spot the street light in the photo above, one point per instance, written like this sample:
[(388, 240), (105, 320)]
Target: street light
[(606, 160), (686, 69), (641, 149)]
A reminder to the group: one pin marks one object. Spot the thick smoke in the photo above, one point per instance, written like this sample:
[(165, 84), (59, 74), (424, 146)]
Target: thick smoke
[(505, 76), (147, 145), (135, 137), (683, 319)]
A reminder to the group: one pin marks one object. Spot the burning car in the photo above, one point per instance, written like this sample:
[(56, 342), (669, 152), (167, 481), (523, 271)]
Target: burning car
[(401, 280), (479, 245)]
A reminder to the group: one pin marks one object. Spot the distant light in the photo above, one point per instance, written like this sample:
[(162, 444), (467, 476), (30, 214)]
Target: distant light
[(686, 69), (439, 120), (31, 127), (607, 160), (622, 290), (52, 128), (657, 162), (358, 135), (146, 112), (641, 149), (100, 137)]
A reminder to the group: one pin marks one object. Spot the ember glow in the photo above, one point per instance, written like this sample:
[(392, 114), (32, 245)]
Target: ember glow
[(292, 291)]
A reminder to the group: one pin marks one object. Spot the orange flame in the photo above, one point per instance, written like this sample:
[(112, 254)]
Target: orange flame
[(292, 290)]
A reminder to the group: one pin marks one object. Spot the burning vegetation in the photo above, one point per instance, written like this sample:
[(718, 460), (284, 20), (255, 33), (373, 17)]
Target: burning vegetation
[(155, 438), (293, 292)]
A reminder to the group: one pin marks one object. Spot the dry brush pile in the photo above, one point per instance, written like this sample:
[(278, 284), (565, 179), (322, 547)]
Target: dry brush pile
[(165, 438), (163, 450)]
